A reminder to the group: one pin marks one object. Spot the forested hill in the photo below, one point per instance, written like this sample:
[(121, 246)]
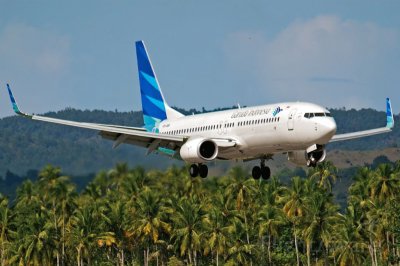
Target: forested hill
[(26, 144)]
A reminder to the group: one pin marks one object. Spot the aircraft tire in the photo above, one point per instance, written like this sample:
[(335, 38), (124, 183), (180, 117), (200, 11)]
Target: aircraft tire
[(265, 172), (203, 170), (256, 172), (194, 170)]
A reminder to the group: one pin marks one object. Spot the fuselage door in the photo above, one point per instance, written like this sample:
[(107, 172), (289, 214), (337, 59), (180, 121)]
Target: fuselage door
[(291, 119)]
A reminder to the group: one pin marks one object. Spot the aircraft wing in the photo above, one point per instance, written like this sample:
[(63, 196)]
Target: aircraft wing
[(371, 132), (119, 134)]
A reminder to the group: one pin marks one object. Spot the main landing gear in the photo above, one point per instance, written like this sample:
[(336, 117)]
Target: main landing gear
[(198, 169), (261, 171)]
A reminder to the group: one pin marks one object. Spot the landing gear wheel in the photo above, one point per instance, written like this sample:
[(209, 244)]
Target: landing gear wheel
[(256, 172), (194, 170), (203, 170), (265, 172), (311, 162)]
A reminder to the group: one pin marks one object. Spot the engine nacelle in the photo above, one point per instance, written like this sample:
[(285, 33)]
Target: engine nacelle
[(199, 150), (302, 158)]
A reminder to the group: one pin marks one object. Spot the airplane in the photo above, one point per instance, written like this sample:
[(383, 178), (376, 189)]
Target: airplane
[(298, 129)]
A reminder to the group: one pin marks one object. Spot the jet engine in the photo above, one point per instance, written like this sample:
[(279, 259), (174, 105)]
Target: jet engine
[(303, 158), (199, 150)]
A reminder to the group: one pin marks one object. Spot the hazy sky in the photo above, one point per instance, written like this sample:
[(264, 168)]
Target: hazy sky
[(58, 54)]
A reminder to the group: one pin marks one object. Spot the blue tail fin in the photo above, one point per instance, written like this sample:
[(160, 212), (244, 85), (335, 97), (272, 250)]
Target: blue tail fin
[(155, 109)]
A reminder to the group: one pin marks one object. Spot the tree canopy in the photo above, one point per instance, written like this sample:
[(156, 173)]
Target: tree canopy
[(129, 216)]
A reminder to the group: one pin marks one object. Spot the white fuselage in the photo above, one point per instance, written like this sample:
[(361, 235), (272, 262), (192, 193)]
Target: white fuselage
[(259, 130)]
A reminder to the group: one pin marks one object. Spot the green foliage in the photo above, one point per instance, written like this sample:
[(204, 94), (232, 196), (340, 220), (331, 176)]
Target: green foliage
[(129, 216)]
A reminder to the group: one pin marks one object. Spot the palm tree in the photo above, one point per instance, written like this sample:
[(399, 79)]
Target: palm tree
[(294, 207), (27, 195), (150, 214), (385, 183), (6, 232), (240, 252), (127, 216), (35, 243), (360, 190), (189, 220), (118, 175), (350, 246), (242, 191), (175, 180), (57, 195), (269, 215), (83, 231), (379, 224), (217, 232), (64, 192), (118, 220), (270, 219), (319, 225), (325, 174)]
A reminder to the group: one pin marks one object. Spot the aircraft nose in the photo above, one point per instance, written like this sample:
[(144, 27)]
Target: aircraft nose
[(328, 128)]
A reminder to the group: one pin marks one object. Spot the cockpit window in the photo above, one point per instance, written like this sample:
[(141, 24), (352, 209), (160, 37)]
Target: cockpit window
[(311, 115)]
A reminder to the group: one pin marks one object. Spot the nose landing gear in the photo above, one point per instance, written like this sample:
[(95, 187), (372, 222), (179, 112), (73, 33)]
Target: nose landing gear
[(312, 162), (200, 169)]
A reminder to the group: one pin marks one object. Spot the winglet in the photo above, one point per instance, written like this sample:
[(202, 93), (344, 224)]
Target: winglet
[(389, 114), (14, 103)]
